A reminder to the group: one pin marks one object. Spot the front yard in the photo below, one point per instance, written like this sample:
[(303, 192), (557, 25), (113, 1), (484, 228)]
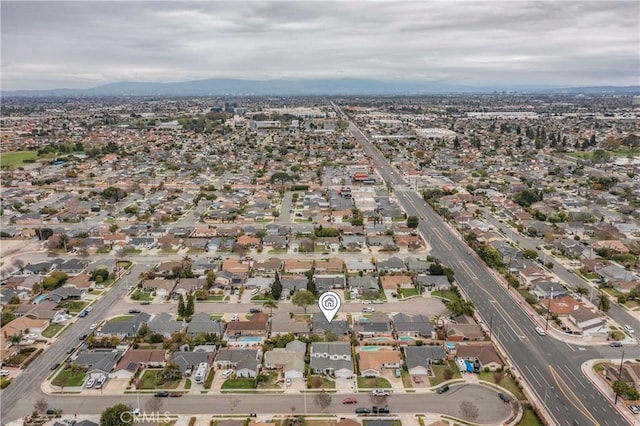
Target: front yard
[(408, 292), (69, 377), (142, 296), (445, 372), (151, 379), (239, 384), (501, 379), (373, 382), (319, 382), (52, 330)]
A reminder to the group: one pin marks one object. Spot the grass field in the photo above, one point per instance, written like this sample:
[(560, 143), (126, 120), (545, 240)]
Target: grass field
[(16, 158), (239, 384), (67, 378), (122, 318), (506, 382), (529, 419), (438, 371), (150, 381)]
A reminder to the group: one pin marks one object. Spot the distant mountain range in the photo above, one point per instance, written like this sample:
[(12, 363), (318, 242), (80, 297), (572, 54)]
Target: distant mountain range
[(333, 87)]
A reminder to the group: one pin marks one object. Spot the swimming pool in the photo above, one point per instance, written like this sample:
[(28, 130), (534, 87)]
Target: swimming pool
[(39, 299), (380, 339), (406, 339), (370, 348), (250, 339)]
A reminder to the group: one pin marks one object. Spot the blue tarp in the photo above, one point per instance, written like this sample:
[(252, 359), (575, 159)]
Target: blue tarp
[(469, 366)]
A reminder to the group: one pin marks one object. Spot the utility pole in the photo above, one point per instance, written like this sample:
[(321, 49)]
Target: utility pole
[(619, 375), (490, 325)]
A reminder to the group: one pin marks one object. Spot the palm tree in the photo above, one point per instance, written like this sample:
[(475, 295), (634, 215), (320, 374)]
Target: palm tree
[(271, 304), (603, 302), (582, 291)]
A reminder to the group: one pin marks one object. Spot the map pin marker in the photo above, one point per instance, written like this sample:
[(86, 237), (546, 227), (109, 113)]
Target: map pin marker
[(329, 303)]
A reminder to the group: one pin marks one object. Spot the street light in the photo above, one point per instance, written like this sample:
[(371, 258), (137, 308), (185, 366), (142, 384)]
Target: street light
[(546, 324)]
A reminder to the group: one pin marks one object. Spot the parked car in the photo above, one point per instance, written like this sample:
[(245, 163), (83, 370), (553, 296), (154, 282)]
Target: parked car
[(442, 389), (380, 392), (175, 394), (4, 373), (417, 379), (90, 383), (368, 309), (84, 336), (55, 366), (349, 401), (235, 317), (52, 411), (146, 302), (226, 374), (255, 311), (161, 394), (134, 311), (504, 397), (635, 409), (615, 344), (71, 350), (540, 331), (287, 382), (628, 329), (362, 410), (93, 326), (380, 410)]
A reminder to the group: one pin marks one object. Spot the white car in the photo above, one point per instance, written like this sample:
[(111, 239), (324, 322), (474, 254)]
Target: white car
[(628, 329), (93, 326), (135, 411), (366, 302), (89, 383), (540, 331), (226, 374), (4, 373), (368, 309), (234, 317), (380, 392)]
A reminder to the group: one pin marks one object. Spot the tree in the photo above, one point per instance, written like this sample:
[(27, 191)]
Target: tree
[(41, 405), (322, 400), (526, 198), (271, 304), (304, 299), (412, 222), (190, 309), (19, 264), (582, 291), (603, 302), (171, 371), (530, 254), (276, 288), (182, 309), (117, 415)]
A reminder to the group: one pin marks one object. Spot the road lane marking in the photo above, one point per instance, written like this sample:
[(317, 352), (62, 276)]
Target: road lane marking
[(573, 399), (570, 347)]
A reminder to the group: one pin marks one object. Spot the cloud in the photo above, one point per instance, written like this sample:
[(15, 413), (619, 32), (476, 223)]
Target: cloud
[(82, 44)]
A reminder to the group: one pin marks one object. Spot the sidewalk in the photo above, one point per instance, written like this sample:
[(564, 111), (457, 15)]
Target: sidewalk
[(605, 390)]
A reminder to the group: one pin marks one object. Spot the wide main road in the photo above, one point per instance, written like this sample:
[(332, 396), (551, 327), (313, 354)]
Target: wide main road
[(555, 378)]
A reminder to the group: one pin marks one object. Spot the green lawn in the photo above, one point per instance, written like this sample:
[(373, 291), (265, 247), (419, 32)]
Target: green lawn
[(406, 379), (530, 418), (122, 318), (319, 382), (123, 264), (438, 371), (445, 294), (408, 292), (261, 298), (150, 381), (16, 158), (67, 378), (373, 382), (216, 297), (141, 296), (52, 330), (239, 384), (271, 383), (506, 382)]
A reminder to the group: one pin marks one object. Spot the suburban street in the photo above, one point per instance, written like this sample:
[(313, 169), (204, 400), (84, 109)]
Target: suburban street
[(554, 377)]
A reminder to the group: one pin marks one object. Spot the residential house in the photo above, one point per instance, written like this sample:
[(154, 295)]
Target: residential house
[(98, 363), (246, 362), (189, 285), (420, 358), (433, 282), (202, 323), (47, 309), (375, 326), (331, 358), (282, 323), (395, 282), (613, 273), (320, 326), (165, 325), (417, 265), (413, 326), (248, 333), (372, 363), (462, 332), (484, 353), (325, 282), (189, 361), (162, 288), (354, 266), (588, 322), (22, 326), (332, 265), (393, 264), (289, 360), (548, 290), (134, 359), (269, 266), (123, 329)]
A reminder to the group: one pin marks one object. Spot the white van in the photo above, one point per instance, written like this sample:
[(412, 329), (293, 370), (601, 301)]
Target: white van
[(628, 329), (540, 331)]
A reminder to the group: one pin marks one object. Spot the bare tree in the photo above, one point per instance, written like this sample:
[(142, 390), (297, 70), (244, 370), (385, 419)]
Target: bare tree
[(469, 410), (322, 400), (19, 264), (41, 405)]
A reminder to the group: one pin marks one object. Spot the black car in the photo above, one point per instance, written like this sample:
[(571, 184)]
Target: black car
[(504, 397), (161, 394), (443, 389), (71, 350), (84, 336), (615, 344), (362, 410), (254, 311), (380, 410), (134, 311), (55, 366), (52, 411), (146, 302)]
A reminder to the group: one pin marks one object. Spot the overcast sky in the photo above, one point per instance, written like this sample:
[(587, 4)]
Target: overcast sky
[(81, 44)]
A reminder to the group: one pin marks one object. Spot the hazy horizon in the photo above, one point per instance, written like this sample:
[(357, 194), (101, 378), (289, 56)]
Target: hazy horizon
[(54, 45)]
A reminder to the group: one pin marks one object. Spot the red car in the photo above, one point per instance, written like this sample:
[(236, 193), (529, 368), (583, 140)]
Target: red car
[(349, 401)]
